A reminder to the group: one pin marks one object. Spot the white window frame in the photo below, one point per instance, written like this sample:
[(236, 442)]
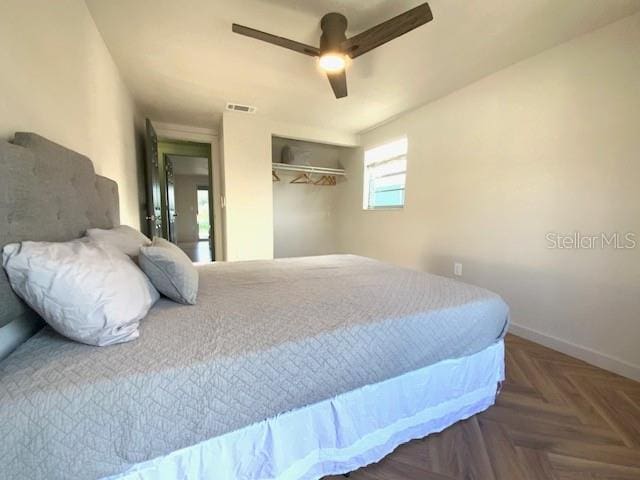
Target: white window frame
[(380, 154)]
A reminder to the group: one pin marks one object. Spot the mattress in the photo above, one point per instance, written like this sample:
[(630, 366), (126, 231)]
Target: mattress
[(266, 337)]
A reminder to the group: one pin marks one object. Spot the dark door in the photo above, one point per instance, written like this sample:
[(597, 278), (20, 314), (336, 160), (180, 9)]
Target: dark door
[(171, 200), (152, 171), (212, 241)]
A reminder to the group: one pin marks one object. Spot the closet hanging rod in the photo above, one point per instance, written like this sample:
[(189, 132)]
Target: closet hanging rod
[(308, 169)]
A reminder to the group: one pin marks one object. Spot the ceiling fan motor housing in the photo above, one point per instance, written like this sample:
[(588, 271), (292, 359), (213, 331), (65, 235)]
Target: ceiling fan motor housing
[(334, 28)]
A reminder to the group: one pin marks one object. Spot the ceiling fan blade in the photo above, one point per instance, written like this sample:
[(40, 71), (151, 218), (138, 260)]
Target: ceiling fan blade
[(276, 40), (387, 31), (338, 81)]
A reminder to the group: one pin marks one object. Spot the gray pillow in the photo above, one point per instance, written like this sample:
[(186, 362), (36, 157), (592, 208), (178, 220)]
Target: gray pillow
[(170, 270)]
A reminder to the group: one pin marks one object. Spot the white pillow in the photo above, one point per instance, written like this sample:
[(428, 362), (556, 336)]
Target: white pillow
[(125, 238), (87, 291)]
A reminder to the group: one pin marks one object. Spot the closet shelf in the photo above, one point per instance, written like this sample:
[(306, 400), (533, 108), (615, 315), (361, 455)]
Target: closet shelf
[(307, 169)]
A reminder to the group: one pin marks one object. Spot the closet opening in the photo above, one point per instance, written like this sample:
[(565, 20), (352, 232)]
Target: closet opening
[(306, 186)]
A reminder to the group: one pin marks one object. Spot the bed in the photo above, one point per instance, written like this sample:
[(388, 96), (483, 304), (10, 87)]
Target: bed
[(285, 369)]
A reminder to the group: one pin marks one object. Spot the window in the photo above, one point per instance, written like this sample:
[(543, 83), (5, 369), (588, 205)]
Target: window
[(385, 174), (202, 215)]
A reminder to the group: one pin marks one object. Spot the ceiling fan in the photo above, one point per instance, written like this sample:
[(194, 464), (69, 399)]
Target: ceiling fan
[(335, 48)]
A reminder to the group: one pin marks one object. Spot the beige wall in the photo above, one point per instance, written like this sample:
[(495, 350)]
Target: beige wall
[(58, 80), (248, 210), (304, 216), (186, 188), (551, 144), (246, 179)]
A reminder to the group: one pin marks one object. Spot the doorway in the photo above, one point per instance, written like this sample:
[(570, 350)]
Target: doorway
[(180, 194), (188, 194)]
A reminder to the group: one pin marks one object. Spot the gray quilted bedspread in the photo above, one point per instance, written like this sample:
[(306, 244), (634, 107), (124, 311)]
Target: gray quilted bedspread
[(264, 338)]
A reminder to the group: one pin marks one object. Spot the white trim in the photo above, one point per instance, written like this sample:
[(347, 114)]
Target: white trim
[(175, 131), (586, 354)]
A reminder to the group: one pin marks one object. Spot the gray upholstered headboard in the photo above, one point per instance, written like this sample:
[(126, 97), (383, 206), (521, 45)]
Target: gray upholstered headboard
[(50, 193)]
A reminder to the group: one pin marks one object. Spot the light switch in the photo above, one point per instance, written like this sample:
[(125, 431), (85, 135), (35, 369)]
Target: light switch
[(457, 269)]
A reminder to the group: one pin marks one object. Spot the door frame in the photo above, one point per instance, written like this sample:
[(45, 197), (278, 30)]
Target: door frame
[(171, 157), (172, 131)]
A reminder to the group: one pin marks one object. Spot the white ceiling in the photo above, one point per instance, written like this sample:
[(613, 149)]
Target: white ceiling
[(183, 63)]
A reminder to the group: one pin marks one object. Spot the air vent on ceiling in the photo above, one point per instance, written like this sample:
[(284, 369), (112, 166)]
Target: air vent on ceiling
[(236, 107)]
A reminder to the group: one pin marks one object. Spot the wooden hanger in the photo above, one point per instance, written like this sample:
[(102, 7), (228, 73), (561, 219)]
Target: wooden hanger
[(274, 176), (303, 178), (326, 180)]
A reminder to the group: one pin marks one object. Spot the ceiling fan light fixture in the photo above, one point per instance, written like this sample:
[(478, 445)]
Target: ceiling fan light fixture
[(333, 62), (336, 50)]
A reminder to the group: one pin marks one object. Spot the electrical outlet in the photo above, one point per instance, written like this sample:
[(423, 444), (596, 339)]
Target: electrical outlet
[(457, 269)]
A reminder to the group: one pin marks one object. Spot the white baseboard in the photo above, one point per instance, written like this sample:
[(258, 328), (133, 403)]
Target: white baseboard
[(588, 355)]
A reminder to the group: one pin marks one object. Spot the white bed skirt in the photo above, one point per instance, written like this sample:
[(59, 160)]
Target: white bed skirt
[(343, 433)]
